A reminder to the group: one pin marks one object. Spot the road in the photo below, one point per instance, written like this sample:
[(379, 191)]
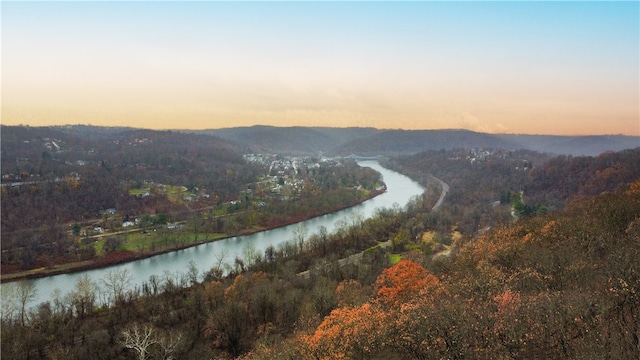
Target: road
[(443, 193)]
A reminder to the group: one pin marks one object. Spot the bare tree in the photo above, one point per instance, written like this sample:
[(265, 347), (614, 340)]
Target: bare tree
[(357, 219), (116, 283), (139, 339), (217, 270), (250, 255), (9, 304), (84, 297), (59, 305), (192, 272), (26, 294), (298, 235), (169, 343)]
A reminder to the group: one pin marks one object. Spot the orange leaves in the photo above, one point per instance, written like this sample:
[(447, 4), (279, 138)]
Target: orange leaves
[(405, 294), (238, 289), (348, 333), (403, 281)]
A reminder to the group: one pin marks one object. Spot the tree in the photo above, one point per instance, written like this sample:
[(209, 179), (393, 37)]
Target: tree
[(349, 293), (402, 281), (146, 221), (323, 296), (192, 272), (76, 229), (168, 344), (111, 244), (217, 270), (9, 301), (229, 328), (349, 333), (249, 255), (323, 238), (299, 234), (117, 282), (139, 339), (161, 219), (84, 296), (400, 240), (26, 293)]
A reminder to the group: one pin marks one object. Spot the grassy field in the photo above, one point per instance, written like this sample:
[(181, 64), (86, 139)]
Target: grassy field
[(175, 194), (157, 240)]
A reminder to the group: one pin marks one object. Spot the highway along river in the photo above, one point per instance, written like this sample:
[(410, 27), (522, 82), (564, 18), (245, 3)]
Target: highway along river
[(400, 189)]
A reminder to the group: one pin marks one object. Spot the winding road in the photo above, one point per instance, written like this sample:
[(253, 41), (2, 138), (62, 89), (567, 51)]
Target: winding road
[(443, 193)]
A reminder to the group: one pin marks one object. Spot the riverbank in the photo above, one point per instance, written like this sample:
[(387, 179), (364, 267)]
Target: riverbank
[(123, 256)]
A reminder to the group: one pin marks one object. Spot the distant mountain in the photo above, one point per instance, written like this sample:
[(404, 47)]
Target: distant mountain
[(574, 145), (370, 141), (413, 141), (290, 139), (360, 141), (92, 132), (338, 141)]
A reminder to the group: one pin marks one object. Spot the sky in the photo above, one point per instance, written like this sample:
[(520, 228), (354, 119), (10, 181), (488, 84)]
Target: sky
[(563, 68)]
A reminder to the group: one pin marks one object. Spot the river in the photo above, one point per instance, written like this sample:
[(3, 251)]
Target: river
[(400, 189)]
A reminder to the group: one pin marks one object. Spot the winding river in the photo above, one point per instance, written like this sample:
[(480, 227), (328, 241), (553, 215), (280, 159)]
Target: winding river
[(400, 189)]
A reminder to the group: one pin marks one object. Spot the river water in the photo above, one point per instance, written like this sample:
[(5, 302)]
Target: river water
[(400, 189)]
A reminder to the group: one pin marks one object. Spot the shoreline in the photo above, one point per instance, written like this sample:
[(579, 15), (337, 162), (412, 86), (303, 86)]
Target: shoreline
[(124, 256)]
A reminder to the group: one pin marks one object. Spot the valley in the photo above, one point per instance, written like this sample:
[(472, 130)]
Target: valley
[(495, 234)]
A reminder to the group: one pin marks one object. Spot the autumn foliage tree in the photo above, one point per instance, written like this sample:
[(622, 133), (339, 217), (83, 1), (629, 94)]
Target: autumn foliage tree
[(364, 326), (373, 328), (404, 281)]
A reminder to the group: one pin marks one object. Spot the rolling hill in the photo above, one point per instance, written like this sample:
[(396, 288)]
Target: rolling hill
[(370, 141)]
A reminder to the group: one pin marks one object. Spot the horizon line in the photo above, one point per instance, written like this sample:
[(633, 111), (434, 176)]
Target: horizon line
[(312, 127)]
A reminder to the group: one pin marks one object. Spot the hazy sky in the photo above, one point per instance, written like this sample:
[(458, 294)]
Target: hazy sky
[(515, 67)]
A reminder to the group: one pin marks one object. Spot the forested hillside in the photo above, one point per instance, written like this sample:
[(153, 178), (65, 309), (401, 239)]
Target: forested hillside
[(389, 142), (292, 140), (564, 177), (483, 182), (574, 145), (553, 286), (53, 177), (396, 142), (560, 283)]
